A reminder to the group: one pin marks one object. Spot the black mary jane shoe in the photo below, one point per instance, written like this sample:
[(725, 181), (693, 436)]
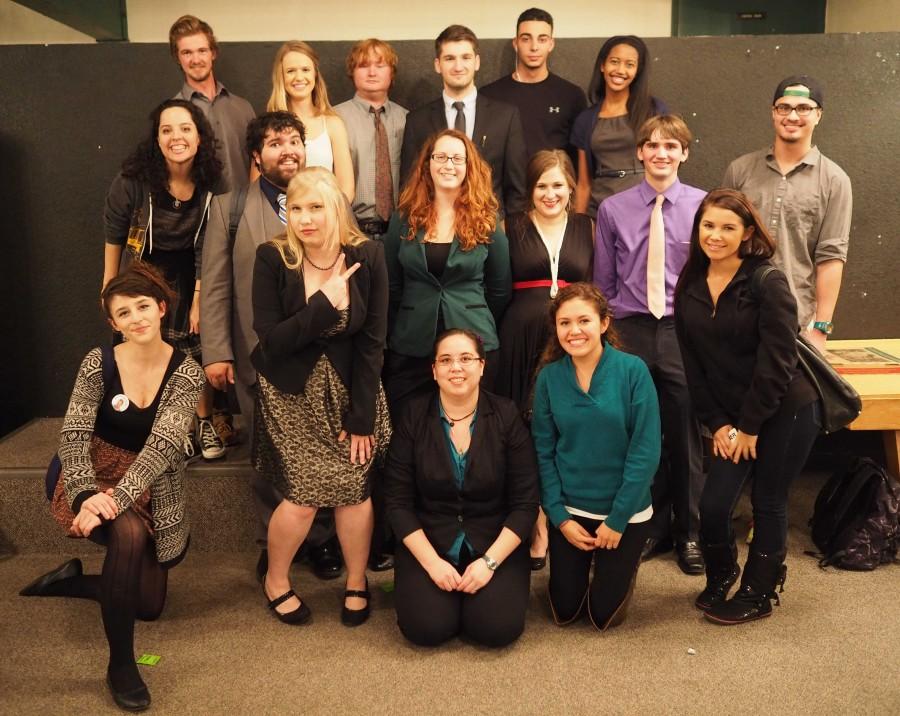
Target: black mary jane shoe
[(137, 699), (538, 563), (301, 615), (356, 617), (37, 588)]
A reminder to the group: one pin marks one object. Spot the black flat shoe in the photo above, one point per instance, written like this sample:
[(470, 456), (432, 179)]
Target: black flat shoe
[(538, 563), (137, 699), (301, 615), (381, 562), (72, 568), (355, 617), (326, 560)]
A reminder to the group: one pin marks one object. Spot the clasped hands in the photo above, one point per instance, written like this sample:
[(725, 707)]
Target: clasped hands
[(578, 536), (445, 576), (93, 512), (735, 445)]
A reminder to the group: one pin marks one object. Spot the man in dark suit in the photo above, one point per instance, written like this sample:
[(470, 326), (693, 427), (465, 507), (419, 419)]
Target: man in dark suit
[(493, 126), (275, 145)]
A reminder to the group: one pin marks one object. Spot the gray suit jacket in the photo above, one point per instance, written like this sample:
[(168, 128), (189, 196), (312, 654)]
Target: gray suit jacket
[(226, 301)]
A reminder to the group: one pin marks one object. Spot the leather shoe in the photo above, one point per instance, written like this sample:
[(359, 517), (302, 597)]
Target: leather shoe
[(356, 617), (690, 558), (655, 546), (301, 615), (381, 562), (137, 699), (326, 560), (69, 569)]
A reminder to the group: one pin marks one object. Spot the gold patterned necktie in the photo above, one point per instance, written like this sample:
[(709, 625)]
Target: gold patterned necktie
[(384, 184), (656, 261)]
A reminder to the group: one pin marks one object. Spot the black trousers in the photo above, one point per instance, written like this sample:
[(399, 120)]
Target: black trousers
[(614, 569), (781, 450), (493, 616), (679, 480)]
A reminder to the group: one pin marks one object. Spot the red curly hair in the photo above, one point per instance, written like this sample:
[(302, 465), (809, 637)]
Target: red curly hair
[(476, 206)]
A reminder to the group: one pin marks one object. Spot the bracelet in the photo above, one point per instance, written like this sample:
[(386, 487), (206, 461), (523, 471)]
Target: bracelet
[(196, 290)]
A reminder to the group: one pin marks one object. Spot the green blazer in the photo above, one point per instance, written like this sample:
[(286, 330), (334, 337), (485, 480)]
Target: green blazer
[(472, 292)]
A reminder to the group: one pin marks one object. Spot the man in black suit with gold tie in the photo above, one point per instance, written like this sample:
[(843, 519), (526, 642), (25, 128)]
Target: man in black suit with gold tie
[(493, 126)]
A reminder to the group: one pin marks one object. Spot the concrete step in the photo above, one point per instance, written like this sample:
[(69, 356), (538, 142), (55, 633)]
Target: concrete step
[(218, 497)]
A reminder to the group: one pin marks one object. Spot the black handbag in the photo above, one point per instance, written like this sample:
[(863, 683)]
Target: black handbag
[(841, 404)]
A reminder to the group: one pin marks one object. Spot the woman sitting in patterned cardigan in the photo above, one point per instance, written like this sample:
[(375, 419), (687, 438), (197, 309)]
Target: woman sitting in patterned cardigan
[(122, 456)]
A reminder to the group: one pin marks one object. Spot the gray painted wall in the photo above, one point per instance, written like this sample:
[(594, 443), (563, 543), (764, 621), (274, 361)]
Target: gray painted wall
[(72, 113)]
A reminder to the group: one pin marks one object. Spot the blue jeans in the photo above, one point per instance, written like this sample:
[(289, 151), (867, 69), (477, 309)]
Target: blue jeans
[(781, 451)]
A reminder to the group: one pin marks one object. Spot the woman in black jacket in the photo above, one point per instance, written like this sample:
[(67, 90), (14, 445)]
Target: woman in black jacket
[(320, 295), (740, 356), (461, 492)]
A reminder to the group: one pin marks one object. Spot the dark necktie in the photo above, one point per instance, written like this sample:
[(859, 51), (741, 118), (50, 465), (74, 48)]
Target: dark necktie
[(384, 184), (460, 124)]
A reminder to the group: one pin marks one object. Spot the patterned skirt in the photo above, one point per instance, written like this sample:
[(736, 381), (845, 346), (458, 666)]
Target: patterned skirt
[(110, 465), (296, 444)]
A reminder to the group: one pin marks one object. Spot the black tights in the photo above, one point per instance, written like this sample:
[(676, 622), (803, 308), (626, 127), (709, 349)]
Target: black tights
[(131, 586)]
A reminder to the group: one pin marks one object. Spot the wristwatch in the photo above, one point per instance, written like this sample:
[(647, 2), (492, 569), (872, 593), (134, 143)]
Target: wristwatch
[(491, 563), (825, 327)]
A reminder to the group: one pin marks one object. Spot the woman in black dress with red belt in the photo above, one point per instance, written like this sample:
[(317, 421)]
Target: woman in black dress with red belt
[(550, 247)]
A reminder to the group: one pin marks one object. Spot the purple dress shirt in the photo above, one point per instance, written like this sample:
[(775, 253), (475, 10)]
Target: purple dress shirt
[(620, 244)]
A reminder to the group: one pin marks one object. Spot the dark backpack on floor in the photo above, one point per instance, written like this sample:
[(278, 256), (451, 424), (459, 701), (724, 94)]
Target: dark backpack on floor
[(856, 519)]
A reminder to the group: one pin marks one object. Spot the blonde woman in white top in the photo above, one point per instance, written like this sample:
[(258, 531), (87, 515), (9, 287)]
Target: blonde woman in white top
[(298, 87)]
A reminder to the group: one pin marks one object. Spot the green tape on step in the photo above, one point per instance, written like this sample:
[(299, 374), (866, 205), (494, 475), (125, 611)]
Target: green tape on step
[(149, 659)]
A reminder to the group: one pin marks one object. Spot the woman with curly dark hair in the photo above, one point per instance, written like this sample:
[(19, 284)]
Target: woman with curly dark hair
[(156, 211), (448, 263)]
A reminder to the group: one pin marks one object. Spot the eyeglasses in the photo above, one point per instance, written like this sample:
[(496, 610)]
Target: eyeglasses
[(802, 110), (441, 158), (465, 360)]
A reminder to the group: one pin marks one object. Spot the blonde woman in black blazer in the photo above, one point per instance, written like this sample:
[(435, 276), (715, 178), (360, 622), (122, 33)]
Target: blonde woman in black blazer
[(320, 297), (461, 495)]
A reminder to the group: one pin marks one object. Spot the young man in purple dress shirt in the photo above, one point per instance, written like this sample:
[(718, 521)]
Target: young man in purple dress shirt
[(638, 276)]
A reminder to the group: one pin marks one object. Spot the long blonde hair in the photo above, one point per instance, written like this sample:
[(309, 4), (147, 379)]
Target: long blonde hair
[(278, 100), (344, 231)]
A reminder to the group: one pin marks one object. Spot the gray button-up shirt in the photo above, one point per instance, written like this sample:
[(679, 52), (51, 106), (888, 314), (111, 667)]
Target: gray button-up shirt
[(229, 116), (361, 131), (807, 212)]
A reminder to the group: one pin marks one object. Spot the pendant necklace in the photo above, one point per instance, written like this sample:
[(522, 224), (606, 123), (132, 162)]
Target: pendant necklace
[(454, 421)]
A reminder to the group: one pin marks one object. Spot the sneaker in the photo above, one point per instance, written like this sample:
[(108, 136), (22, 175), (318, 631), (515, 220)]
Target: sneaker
[(191, 448), (223, 422), (211, 445)]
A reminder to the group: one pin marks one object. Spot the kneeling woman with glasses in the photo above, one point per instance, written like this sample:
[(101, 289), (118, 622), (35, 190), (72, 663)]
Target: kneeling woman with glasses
[(461, 494), (597, 435)]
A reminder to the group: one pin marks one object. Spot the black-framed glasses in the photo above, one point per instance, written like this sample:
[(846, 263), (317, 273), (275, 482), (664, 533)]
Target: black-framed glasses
[(442, 157), (802, 110)]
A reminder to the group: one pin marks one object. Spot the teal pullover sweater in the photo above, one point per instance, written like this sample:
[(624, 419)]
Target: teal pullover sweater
[(597, 451)]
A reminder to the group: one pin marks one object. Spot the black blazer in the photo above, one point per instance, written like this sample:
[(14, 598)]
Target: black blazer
[(740, 359), (290, 329), (501, 481), (497, 134)]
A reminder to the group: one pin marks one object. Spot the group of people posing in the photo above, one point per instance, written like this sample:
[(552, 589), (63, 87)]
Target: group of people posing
[(495, 328)]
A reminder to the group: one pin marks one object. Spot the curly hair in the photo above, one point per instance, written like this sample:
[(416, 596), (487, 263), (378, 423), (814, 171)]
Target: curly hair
[(278, 100), (148, 165), (345, 231), (475, 206), (588, 292)]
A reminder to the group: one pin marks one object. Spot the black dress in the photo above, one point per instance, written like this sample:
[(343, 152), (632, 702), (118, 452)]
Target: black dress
[(524, 330)]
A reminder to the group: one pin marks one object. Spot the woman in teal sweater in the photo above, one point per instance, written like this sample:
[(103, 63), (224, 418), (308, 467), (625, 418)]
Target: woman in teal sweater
[(597, 434)]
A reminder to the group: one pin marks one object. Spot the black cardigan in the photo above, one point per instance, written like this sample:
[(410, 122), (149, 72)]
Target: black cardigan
[(501, 481), (740, 358), (290, 329)]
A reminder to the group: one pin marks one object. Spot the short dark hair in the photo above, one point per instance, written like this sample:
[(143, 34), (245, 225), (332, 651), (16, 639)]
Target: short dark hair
[(450, 332), (534, 14), (275, 121), (455, 33), (138, 279), (188, 25)]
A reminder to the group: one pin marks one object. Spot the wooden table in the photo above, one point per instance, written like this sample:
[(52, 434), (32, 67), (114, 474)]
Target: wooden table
[(880, 393)]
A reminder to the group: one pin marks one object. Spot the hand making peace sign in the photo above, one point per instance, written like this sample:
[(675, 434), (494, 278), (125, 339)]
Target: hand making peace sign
[(335, 288)]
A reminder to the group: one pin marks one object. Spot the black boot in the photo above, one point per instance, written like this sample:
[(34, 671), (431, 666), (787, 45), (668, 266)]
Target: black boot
[(721, 572), (762, 574)]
